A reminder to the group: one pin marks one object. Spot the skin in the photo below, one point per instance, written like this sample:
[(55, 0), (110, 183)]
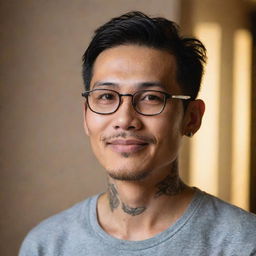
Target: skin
[(142, 176)]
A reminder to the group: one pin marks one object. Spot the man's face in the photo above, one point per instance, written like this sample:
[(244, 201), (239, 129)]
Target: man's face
[(131, 146)]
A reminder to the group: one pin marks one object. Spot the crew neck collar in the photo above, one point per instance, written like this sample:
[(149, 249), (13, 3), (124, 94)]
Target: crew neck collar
[(147, 243)]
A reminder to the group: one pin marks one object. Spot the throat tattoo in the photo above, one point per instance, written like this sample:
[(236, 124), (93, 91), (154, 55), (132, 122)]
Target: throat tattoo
[(133, 211)]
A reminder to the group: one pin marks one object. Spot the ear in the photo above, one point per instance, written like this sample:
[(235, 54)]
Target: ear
[(85, 122), (193, 117)]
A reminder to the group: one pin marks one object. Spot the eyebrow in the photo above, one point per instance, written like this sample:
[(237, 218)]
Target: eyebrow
[(151, 84), (102, 83), (142, 85)]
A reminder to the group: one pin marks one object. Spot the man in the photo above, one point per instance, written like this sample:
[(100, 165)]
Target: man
[(142, 80)]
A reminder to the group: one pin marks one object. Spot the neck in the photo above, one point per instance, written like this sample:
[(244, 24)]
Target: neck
[(152, 204)]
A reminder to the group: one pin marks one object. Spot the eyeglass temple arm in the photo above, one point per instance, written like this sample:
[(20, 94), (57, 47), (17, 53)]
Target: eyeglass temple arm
[(84, 94), (181, 97)]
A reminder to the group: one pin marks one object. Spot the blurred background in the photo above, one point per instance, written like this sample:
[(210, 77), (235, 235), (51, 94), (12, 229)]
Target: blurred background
[(46, 164)]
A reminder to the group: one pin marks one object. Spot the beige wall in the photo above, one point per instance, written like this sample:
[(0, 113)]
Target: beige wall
[(46, 164)]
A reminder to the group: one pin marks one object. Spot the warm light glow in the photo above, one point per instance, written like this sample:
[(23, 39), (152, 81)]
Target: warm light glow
[(204, 148), (241, 118)]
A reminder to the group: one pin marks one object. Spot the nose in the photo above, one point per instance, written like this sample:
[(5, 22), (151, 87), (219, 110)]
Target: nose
[(126, 118)]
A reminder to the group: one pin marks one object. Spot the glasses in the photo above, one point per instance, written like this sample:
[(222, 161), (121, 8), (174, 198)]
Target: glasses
[(144, 102)]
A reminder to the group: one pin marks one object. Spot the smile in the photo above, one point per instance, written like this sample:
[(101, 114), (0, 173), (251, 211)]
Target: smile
[(126, 146)]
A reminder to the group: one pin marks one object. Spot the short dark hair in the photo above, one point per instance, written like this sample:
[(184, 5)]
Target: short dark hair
[(159, 33)]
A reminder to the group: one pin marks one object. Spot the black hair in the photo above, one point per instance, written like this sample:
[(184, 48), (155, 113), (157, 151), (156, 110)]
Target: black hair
[(159, 33)]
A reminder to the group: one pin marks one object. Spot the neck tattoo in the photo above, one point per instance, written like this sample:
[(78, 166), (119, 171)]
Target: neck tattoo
[(113, 197), (171, 185), (114, 202)]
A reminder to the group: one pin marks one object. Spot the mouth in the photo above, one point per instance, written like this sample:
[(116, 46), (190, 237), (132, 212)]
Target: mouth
[(126, 146)]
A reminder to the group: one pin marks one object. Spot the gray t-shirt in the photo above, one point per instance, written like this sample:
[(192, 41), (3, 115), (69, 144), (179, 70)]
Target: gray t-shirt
[(208, 227)]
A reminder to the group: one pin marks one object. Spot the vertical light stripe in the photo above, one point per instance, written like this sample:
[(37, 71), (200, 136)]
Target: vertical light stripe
[(204, 146), (241, 118)]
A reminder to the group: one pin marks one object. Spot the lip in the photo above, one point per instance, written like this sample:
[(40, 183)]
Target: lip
[(126, 146)]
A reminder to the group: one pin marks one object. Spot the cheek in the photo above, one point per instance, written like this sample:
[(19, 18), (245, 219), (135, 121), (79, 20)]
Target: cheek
[(168, 138), (95, 124), (168, 132), (168, 127)]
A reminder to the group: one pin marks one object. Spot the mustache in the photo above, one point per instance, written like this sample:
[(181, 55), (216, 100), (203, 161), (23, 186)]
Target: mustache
[(125, 135)]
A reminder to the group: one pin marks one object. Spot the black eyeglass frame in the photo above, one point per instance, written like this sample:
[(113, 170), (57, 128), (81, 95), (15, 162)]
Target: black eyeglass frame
[(86, 94)]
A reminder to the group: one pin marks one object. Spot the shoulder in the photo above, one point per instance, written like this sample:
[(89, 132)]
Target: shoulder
[(65, 219), (225, 209), (228, 219), (57, 228)]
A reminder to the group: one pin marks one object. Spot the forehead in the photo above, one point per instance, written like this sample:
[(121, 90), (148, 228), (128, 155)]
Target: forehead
[(132, 64)]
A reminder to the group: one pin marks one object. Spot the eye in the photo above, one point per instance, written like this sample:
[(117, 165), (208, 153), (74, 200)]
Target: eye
[(151, 98), (106, 96)]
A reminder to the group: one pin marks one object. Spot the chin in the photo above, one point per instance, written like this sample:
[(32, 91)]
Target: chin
[(125, 175)]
